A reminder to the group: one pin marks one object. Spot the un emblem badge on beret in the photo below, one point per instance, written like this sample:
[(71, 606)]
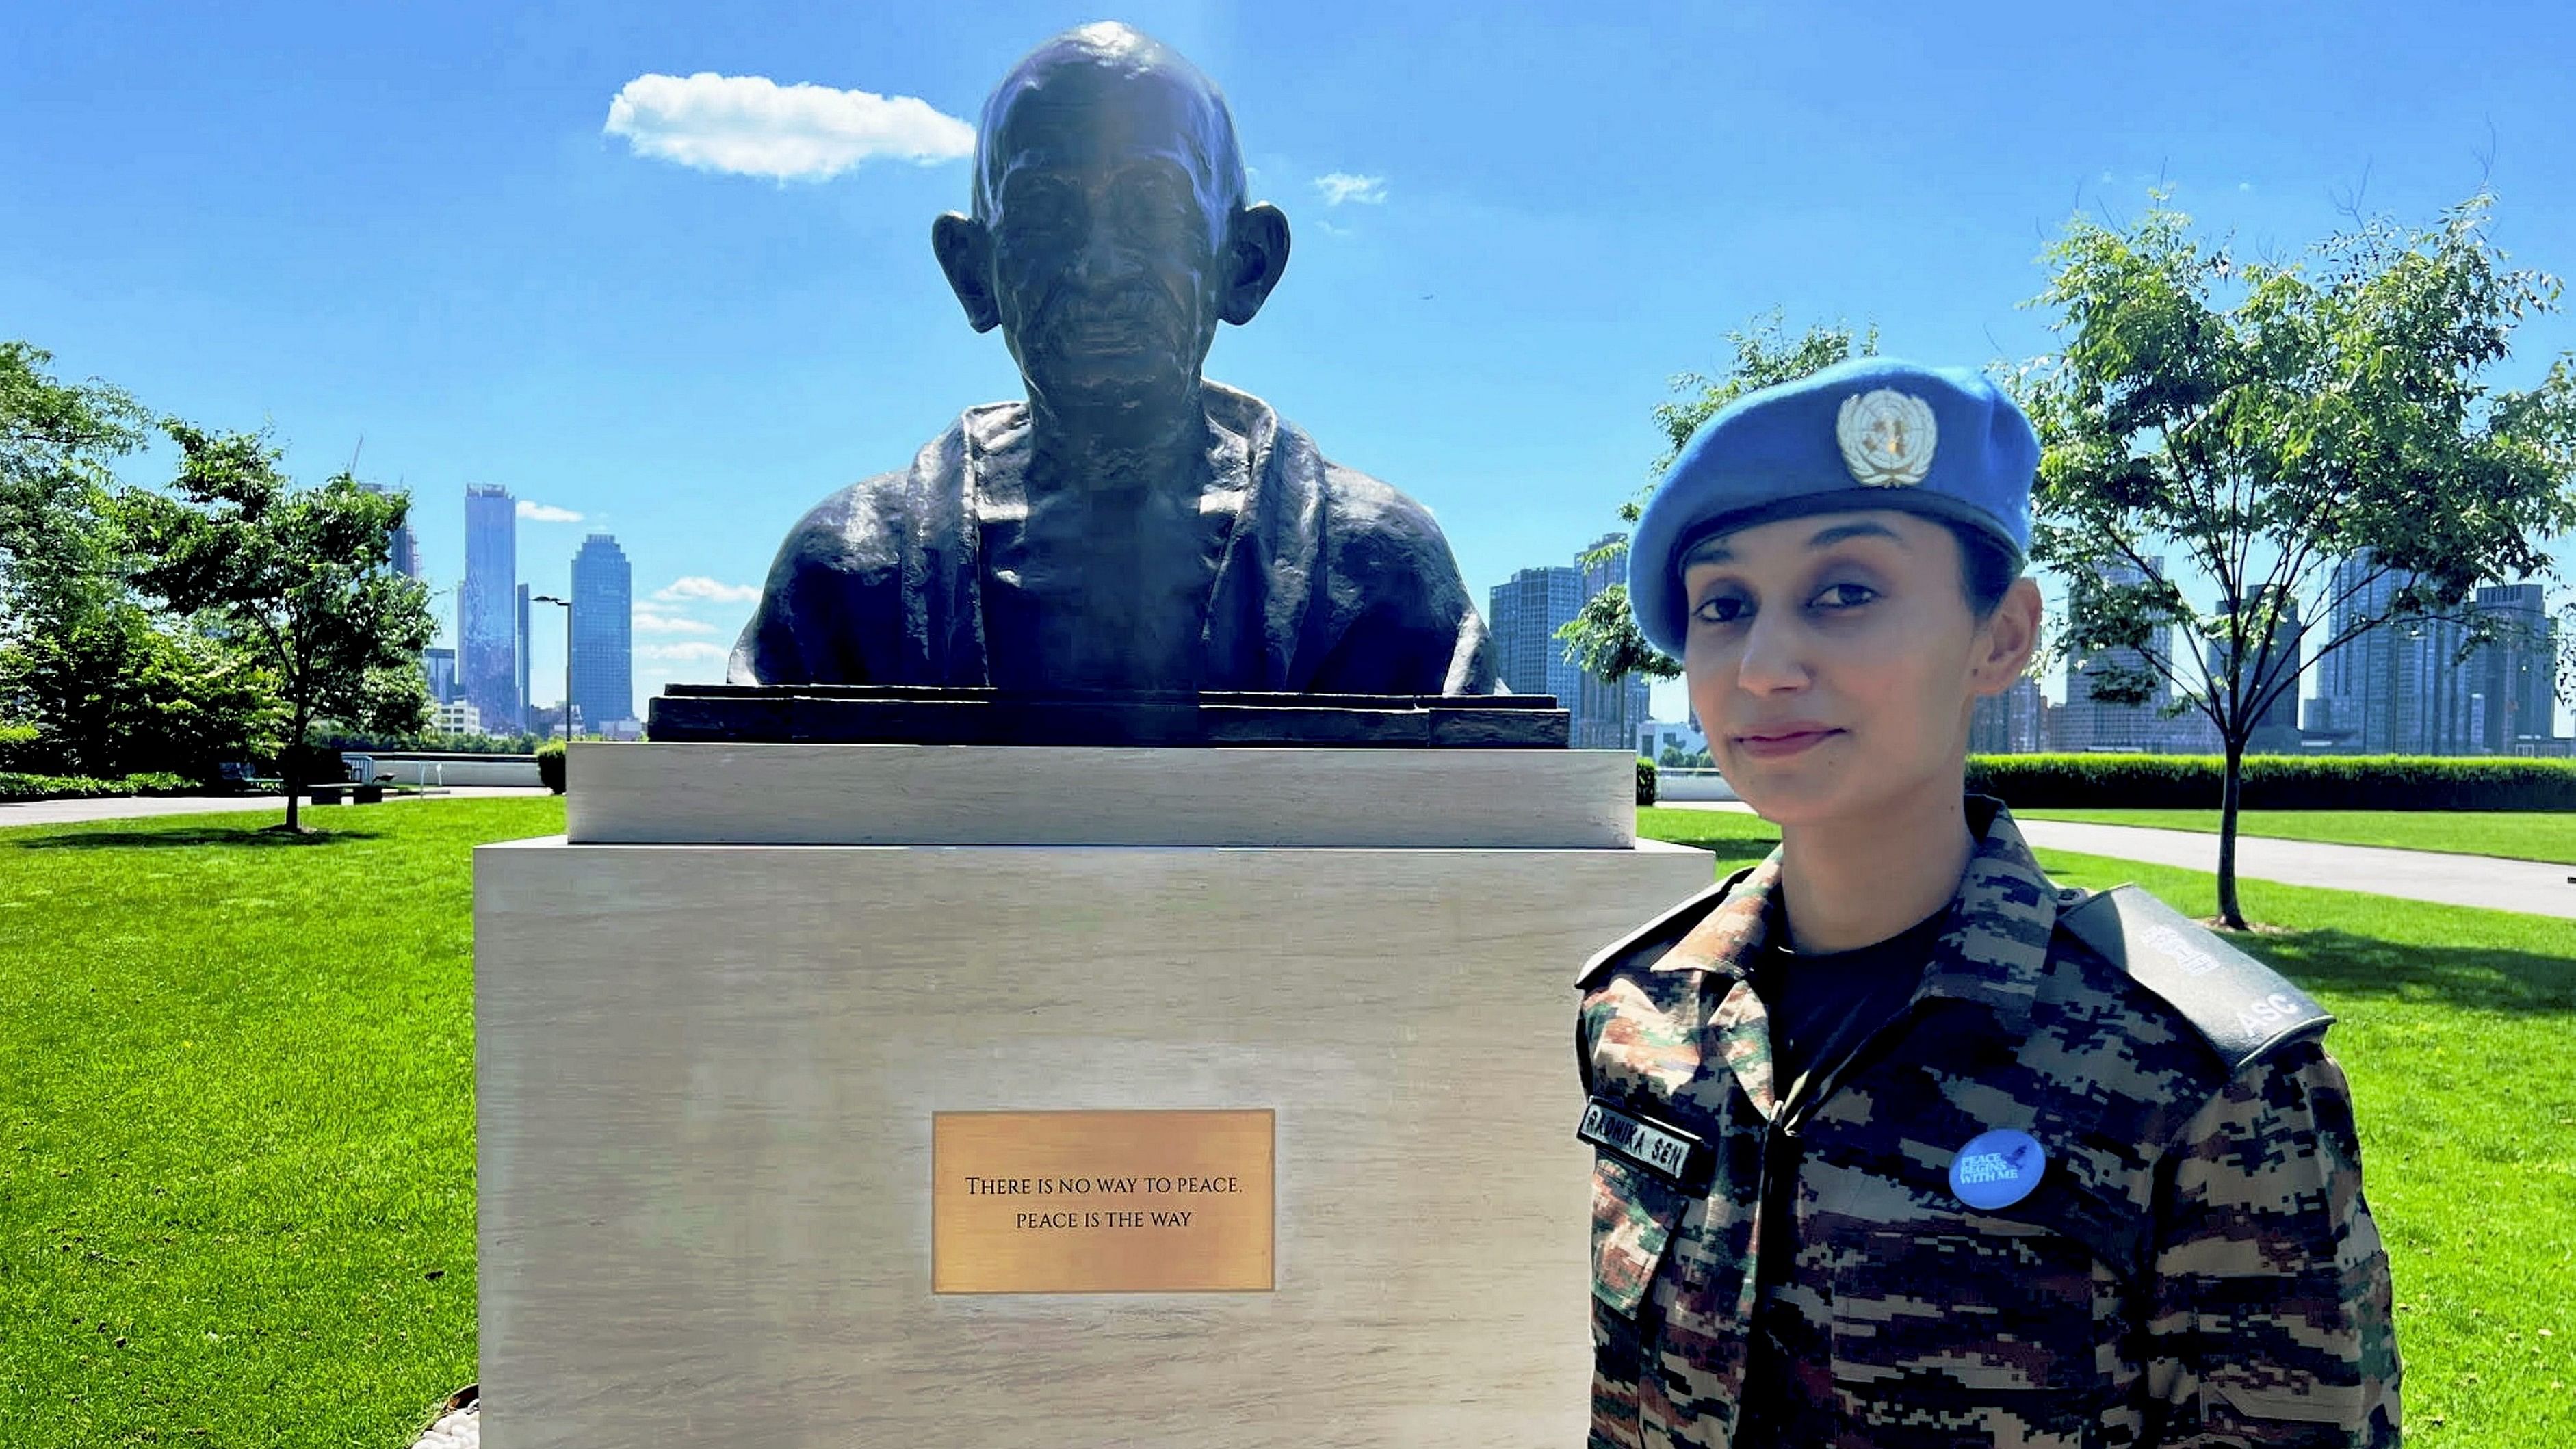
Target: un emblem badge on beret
[(1887, 438)]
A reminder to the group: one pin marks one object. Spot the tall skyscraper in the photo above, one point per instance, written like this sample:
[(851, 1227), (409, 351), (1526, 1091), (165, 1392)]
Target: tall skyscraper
[(527, 706), (1607, 713), (2512, 676), (2276, 730), (1525, 615), (2010, 723), (487, 630), (2400, 687), (603, 641), (2087, 723), (403, 550), (440, 667), (2098, 724)]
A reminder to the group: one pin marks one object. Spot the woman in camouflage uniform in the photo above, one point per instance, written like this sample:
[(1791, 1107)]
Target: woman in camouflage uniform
[(1898, 1144)]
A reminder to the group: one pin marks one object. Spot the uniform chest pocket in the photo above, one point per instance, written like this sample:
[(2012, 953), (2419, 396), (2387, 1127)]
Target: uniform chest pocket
[(1971, 1314), (1633, 1217)]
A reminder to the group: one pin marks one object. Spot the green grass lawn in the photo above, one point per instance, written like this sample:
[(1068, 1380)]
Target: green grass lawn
[(2517, 834), (2458, 1029), (237, 1200), (236, 1096)]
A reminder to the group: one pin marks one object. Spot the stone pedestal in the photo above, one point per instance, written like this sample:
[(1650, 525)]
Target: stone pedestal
[(708, 1073)]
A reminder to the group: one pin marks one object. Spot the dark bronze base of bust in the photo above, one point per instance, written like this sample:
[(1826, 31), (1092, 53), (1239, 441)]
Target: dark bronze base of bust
[(918, 715)]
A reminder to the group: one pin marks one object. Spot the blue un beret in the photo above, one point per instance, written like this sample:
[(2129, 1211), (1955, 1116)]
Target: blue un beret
[(1870, 433)]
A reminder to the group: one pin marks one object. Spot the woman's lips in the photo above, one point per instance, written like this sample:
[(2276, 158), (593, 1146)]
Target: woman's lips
[(1782, 745)]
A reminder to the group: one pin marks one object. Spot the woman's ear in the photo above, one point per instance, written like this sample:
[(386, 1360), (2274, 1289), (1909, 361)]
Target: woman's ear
[(2006, 641)]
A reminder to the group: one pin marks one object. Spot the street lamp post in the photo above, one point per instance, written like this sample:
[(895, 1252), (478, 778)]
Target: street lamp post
[(567, 700)]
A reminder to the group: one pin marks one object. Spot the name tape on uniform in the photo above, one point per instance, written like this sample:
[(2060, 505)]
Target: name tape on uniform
[(1668, 1152)]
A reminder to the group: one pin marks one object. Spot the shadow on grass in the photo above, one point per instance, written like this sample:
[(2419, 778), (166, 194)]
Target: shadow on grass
[(255, 837), (2477, 978)]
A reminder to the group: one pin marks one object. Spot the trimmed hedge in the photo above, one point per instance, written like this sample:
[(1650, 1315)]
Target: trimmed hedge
[(2275, 782), (1645, 781), (550, 765), (83, 787)]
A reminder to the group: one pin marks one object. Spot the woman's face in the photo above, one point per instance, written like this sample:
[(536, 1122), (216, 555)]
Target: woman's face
[(1832, 660)]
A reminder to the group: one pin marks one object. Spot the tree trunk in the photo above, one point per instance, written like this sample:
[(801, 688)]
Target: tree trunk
[(2230, 792), (291, 769)]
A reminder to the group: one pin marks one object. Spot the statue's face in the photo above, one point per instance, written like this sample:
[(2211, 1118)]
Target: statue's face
[(1107, 227)]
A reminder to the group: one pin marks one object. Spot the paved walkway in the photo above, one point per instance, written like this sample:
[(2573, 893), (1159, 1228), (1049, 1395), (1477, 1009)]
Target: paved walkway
[(129, 807), (2536, 888)]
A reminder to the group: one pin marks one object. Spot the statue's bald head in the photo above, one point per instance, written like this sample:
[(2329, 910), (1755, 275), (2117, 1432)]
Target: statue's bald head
[(1110, 234), (1100, 89)]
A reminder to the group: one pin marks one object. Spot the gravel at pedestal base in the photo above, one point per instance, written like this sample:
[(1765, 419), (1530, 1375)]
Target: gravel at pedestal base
[(455, 1429)]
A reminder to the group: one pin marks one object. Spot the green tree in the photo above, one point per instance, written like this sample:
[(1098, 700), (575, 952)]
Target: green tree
[(103, 685), (57, 444), (2271, 421), (1602, 639), (297, 577), (117, 689)]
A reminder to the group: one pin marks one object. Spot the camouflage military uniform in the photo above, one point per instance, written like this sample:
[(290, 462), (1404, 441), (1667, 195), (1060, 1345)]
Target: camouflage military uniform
[(2195, 1266)]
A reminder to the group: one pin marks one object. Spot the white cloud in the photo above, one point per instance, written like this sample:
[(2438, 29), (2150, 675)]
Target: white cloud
[(753, 126), (694, 649), (1341, 186), (535, 512), (653, 622), (698, 588)]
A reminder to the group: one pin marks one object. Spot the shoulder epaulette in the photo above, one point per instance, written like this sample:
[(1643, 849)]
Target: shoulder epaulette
[(1662, 931), (2241, 1006)]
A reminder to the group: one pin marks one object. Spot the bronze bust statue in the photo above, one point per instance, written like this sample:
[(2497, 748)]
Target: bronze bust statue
[(1131, 526)]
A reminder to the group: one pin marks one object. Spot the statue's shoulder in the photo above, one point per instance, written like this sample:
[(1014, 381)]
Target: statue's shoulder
[(863, 525), (1370, 519), (850, 529)]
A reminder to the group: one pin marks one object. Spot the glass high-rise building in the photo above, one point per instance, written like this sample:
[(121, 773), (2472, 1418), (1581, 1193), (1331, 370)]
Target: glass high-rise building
[(2511, 679), (439, 666), (1607, 713), (487, 627), (2402, 686), (603, 639), (2276, 728), (1525, 615), (2086, 723), (402, 550)]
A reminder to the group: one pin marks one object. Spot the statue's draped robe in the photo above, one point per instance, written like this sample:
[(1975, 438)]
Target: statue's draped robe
[(1326, 581)]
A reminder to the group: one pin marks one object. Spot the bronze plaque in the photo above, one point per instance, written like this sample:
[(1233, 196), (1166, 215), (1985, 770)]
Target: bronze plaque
[(1101, 1202)]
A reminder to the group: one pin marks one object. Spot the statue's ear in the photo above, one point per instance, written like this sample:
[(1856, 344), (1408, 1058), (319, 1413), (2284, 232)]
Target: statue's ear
[(1256, 256), (965, 251)]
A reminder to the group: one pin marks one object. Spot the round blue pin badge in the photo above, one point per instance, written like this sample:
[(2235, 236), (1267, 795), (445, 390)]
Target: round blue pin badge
[(1997, 1169)]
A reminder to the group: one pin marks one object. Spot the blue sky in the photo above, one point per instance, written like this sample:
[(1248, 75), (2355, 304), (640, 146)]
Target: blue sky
[(412, 225)]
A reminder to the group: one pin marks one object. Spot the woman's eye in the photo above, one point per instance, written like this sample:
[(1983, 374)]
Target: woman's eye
[(1846, 596), (1723, 609)]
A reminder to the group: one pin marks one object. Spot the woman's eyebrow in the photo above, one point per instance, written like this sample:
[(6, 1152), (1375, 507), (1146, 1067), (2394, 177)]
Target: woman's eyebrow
[(1825, 537)]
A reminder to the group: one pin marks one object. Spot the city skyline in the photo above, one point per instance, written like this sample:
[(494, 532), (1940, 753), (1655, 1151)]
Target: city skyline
[(487, 284), (2398, 688)]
